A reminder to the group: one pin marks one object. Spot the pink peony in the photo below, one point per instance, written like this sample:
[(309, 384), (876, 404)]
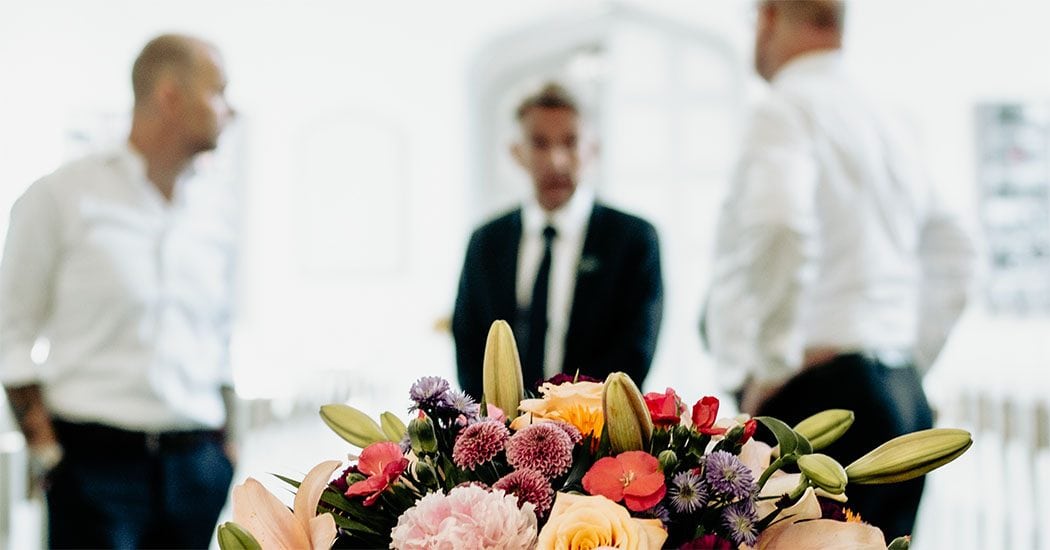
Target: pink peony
[(467, 517)]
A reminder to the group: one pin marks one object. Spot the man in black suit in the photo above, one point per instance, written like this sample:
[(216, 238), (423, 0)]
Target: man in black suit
[(579, 281)]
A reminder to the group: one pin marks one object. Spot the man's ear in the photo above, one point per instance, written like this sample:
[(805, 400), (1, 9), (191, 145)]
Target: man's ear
[(517, 150), (167, 94), (593, 149)]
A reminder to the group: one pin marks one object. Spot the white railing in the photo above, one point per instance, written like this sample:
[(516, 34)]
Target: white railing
[(995, 382)]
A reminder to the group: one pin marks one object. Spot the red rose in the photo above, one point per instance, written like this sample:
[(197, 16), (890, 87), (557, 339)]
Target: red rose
[(705, 412), (665, 408)]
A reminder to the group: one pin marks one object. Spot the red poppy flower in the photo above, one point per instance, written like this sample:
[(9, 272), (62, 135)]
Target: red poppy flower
[(705, 412), (665, 408), (383, 463), (633, 477)]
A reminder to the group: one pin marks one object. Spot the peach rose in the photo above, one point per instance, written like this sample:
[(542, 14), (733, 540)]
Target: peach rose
[(579, 521), (579, 404)]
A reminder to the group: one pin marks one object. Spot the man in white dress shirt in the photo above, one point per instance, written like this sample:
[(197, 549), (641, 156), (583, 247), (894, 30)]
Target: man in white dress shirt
[(116, 262), (838, 271)]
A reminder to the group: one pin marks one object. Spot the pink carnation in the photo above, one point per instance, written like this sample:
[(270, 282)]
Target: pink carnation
[(467, 517)]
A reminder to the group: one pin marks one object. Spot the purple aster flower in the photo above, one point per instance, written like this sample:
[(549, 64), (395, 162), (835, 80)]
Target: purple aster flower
[(463, 404), (543, 447), (687, 492), (529, 486), (429, 392), (739, 518), (479, 443), (659, 512), (405, 444), (728, 476)]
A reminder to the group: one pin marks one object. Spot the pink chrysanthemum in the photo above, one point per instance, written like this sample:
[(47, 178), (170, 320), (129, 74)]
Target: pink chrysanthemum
[(479, 443), (543, 447), (572, 431), (467, 517), (528, 486)]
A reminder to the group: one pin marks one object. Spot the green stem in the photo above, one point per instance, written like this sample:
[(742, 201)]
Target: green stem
[(784, 503), (776, 465)]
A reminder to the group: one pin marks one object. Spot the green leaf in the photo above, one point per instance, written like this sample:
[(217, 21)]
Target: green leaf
[(350, 525), (786, 437)]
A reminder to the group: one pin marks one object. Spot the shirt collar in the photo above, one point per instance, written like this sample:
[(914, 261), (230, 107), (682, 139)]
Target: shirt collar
[(133, 163), (817, 61), (570, 219)]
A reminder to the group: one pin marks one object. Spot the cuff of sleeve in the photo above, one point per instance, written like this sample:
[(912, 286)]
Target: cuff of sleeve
[(18, 372)]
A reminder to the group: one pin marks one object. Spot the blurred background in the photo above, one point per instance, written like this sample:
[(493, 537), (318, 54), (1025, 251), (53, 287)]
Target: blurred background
[(373, 136)]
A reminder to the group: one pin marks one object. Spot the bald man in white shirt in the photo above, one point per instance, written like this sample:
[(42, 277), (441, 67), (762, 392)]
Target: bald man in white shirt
[(120, 265), (838, 271)]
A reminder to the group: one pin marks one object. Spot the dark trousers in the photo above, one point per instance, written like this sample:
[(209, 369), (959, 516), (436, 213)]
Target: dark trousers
[(121, 489), (887, 402)]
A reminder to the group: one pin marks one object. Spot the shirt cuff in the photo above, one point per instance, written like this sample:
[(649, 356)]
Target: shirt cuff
[(17, 369)]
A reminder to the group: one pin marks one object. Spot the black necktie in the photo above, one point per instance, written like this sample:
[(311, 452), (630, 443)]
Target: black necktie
[(532, 368)]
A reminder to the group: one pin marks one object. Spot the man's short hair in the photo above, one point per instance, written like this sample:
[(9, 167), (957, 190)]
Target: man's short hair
[(821, 14), (166, 52), (551, 96)]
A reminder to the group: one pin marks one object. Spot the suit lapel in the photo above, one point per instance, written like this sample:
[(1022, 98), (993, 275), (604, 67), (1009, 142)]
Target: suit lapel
[(505, 269)]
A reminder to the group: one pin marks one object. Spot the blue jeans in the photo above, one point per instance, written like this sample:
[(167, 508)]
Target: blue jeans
[(119, 489)]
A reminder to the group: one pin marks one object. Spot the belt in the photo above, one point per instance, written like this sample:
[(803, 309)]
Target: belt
[(889, 358), (101, 439)]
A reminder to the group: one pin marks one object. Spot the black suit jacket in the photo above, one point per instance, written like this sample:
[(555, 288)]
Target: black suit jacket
[(617, 305)]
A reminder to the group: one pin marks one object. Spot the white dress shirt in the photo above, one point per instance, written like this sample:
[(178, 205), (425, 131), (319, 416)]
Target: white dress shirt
[(831, 234), (570, 221), (131, 291)]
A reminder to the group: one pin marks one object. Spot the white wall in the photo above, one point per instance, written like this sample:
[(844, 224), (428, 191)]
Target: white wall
[(401, 69)]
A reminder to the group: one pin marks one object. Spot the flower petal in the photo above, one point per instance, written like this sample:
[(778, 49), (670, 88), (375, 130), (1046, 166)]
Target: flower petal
[(604, 478), (645, 485), (322, 531), (639, 462), (755, 455), (822, 534), (309, 493), (374, 484), (266, 517), (377, 455), (638, 503), (705, 411), (653, 534)]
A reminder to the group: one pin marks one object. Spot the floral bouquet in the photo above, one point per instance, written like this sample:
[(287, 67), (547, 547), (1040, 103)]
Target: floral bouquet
[(584, 464)]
